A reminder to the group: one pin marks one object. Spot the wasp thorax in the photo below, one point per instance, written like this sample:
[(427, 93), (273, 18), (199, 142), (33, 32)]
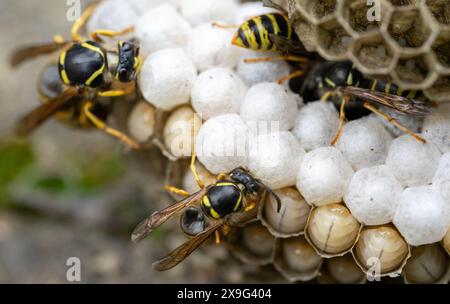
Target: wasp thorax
[(296, 259), (428, 264), (141, 121), (180, 131), (253, 244), (381, 250), (342, 270), (332, 230), (291, 219)]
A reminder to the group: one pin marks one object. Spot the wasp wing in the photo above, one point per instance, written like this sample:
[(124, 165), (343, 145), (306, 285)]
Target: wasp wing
[(160, 217), (271, 4), (288, 45), (21, 55), (402, 104), (182, 252), (36, 117)]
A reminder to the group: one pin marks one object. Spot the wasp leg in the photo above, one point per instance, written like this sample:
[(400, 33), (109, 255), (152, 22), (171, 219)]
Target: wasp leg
[(200, 184), (117, 93), (108, 33), (217, 236), (81, 22), (294, 74), (226, 229), (250, 206), (327, 96), (224, 26), (394, 122), (221, 176), (101, 125), (177, 191), (287, 57), (342, 119)]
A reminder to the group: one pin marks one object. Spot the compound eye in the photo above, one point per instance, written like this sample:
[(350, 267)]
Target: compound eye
[(123, 75)]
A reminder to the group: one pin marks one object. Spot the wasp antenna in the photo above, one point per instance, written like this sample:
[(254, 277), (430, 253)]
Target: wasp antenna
[(277, 198)]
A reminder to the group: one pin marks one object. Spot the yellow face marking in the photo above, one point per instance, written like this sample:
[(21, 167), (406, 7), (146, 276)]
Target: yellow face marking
[(330, 82)]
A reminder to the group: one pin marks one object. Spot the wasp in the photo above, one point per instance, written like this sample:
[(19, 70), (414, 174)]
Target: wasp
[(227, 202), (87, 70), (344, 81), (273, 32)]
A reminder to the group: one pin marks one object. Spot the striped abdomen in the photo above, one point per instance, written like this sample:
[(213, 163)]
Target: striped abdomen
[(390, 88), (254, 33)]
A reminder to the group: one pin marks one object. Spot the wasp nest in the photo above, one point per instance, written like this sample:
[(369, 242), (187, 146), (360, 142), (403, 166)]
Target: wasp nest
[(409, 41), (376, 203)]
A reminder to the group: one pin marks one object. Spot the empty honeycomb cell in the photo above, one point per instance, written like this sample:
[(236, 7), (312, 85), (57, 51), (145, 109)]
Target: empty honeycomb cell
[(440, 91), (353, 15), (441, 52), (372, 55), (413, 73), (440, 10), (315, 10), (333, 40), (410, 31), (404, 2)]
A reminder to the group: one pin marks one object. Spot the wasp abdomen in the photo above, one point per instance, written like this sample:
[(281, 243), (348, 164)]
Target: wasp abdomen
[(254, 33)]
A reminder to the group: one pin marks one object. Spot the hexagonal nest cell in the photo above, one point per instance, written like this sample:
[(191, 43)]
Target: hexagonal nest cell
[(412, 71), (409, 29), (440, 9), (318, 9), (373, 52), (441, 50), (333, 40), (440, 91), (355, 15), (399, 3)]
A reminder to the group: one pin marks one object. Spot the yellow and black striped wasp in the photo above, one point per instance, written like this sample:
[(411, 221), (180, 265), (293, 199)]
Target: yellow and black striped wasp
[(344, 81), (87, 70), (273, 32), (230, 201)]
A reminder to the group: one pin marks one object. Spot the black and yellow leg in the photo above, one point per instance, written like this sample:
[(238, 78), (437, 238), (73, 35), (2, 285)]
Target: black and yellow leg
[(200, 184), (177, 191), (394, 122), (342, 119), (221, 177), (109, 33), (217, 236), (81, 22), (117, 93), (287, 57), (101, 125), (250, 205)]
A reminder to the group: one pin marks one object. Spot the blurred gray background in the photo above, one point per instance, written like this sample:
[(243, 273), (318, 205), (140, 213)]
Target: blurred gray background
[(67, 193)]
